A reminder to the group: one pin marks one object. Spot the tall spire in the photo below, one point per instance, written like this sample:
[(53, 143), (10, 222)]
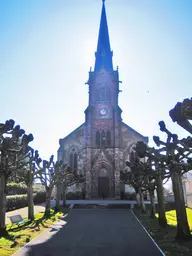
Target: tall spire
[(103, 56)]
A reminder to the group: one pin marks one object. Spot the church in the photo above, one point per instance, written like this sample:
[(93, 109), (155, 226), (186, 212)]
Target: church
[(100, 146)]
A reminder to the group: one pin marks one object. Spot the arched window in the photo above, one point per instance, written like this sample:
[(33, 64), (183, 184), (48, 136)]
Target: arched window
[(73, 160), (97, 138), (103, 138), (108, 138)]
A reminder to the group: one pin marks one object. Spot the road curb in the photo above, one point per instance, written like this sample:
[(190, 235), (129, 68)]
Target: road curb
[(148, 234)]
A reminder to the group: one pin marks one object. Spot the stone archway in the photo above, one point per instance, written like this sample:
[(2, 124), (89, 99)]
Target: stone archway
[(103, 183), (102, 179)]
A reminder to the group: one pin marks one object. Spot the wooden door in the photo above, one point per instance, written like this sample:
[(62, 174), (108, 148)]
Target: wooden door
[(103, 187)]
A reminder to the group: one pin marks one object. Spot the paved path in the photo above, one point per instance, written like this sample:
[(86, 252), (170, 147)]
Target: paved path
[(93, 232)]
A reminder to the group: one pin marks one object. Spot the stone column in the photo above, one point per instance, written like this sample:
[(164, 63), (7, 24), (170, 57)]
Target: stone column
[(117, 157), (87, 164), (117, 184), (94, 187), (88, 185), (111, 187)]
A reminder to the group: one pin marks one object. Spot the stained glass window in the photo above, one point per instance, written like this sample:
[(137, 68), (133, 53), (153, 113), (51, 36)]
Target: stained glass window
[(73, 160), (98, 138), (108, 138)]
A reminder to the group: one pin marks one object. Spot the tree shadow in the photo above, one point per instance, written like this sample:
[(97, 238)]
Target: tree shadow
[(20, 227), (56, 233), (93, 232), (166, 237), (13, 239)]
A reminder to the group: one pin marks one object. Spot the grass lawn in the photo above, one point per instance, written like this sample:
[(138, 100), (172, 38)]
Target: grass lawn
[(22, 234), (172, 220), (165, 237)]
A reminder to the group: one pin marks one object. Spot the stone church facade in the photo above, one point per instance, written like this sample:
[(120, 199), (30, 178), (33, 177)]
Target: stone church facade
[(101, 145)]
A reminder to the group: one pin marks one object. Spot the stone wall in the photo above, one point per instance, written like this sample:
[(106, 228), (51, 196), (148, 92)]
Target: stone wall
[(92, 160)]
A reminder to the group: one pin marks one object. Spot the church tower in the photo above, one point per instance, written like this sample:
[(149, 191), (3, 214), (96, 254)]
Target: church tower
[(103, 114), (101, 145)]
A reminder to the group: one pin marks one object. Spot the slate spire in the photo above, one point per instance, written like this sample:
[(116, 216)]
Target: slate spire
[(103, 56)]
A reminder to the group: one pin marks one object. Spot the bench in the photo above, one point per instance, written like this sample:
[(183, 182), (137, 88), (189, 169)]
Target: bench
[(17, 219)]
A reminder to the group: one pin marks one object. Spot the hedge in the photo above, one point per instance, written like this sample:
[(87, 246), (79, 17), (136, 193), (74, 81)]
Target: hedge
[(16, 202), (19, 201), (74, 195), (39, 197), (16, 188)]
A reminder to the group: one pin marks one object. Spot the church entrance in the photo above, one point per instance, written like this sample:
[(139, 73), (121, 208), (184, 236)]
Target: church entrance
[(103, 187), (103, 184)]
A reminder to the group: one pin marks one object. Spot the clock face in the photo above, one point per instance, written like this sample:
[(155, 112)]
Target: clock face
[(103, 111)]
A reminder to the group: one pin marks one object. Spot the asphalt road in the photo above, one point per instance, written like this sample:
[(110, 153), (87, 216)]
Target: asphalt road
[(94, 232)]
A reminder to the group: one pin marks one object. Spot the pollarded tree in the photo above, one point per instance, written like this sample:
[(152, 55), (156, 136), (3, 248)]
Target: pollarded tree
[(27, 175), (65, 180), (13, 153), (142, 178), (157, 170), (47, 173), (176, 152), (133, 175), (52, 174), (149, 183), (69, 179), (182, 113)]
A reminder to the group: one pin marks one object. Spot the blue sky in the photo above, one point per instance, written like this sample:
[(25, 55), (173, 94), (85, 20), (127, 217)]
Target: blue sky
[(47, 48)]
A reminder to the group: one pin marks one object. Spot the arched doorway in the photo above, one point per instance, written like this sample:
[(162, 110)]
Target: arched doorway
[(103, 183)]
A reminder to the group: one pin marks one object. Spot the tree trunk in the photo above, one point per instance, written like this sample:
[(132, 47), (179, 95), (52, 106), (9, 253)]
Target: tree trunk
[(143, 208), (3, 231), (58, 196), (48, 201), (30, 201), (138, 198), (64, 196), (152, 199), (183, 231), (161, 202)]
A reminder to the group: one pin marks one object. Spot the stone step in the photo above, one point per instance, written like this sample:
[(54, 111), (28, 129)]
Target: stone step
[(101, 206)]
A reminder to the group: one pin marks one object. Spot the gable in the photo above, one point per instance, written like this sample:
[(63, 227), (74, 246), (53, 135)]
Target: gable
[(77, 134), (127, 131), (72, 142), (129, 138)]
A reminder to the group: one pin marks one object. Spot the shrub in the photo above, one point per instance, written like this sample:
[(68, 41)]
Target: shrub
[(19, 201), (128, 196), (39, 197), (16, 188), (16, 202), (74, 195)]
